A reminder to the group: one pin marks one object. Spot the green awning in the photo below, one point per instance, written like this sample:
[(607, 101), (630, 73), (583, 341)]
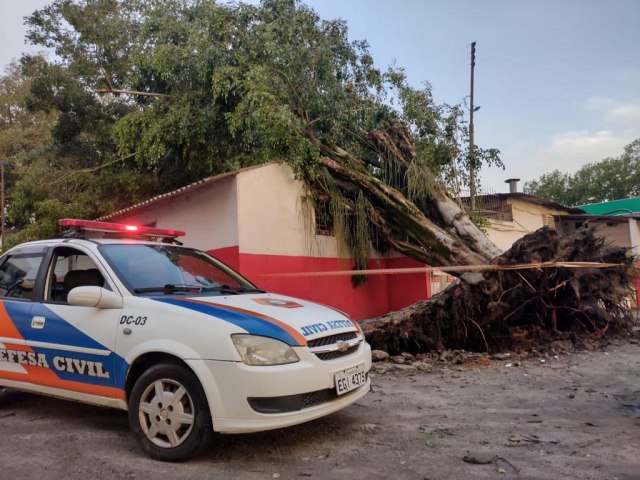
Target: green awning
[(626, 206)]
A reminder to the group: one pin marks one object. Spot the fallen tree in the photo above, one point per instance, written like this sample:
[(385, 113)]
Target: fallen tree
[(268, 81), (175, 91), (518, 309)]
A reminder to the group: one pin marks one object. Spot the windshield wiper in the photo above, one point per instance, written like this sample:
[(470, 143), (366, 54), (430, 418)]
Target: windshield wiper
[(234, 291), (171, 288), (221, 289), (185, 288)]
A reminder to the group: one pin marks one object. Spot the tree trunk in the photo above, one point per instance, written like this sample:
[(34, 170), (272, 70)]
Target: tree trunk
[(404, 226), (485, 311)]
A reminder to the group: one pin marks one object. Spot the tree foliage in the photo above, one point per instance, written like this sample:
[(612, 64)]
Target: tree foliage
[(63, 163), (21, 130), (150, 95), (609, 179)]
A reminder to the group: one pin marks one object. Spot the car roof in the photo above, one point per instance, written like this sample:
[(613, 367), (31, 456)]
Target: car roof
[(92, 241)]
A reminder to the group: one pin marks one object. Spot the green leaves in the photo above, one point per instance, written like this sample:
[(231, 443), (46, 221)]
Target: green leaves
[(609, 179), (240, 84), (150, 95)]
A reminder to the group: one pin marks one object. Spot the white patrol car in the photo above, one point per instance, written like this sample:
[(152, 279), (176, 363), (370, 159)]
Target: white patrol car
[(172, 335)]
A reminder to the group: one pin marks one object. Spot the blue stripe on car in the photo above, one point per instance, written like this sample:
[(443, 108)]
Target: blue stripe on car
[(253, 325), (58, 331)]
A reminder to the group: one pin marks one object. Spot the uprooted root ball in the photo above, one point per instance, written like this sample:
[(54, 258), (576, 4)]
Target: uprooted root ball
[(519, 309)]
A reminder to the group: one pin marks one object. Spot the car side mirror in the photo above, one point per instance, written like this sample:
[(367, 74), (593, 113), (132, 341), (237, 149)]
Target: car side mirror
[(97, 297)]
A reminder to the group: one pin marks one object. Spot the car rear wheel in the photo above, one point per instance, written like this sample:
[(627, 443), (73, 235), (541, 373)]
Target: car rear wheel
[(169, 414)]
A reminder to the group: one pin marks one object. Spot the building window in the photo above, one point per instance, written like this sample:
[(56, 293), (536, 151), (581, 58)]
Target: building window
[(324, 218), (502, 211), (491, 207), (548, 221)]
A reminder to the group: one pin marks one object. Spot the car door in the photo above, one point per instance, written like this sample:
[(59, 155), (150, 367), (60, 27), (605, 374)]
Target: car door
[(18, 274), (77, 342)]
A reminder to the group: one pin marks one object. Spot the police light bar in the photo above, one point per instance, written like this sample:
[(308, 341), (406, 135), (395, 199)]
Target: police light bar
[(119, 228)]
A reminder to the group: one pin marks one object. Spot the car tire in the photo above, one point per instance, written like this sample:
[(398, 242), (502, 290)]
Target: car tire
[(169, 414)]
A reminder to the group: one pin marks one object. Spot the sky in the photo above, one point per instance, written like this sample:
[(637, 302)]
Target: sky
[(557, 81)]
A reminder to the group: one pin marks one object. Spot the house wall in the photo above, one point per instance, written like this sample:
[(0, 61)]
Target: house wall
[(405, 288), (208, 215), (275, 239), (622, 234), (527, 218), (270, 203), (634, 236), (254, 222), (618, 233), (504, 234)]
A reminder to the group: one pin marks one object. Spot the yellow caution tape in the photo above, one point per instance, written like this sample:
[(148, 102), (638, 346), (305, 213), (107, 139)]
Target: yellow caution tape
[(459, 268)]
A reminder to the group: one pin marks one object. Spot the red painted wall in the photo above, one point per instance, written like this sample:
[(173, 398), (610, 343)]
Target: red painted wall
[(379, 295), (368, 300), (228, 255), (406, 288)]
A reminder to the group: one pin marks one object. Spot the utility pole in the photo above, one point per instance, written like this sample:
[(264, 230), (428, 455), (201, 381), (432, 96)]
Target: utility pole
[(472, 166)]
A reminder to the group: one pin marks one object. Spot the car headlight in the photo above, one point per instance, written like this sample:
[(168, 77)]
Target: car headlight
[(256, 350)]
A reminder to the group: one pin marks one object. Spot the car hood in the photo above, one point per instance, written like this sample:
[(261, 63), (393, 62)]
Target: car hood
[(288, 319)]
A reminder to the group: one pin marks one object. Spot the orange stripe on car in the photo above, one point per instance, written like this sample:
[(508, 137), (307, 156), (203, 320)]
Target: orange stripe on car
[(290, 330), (46, 378)]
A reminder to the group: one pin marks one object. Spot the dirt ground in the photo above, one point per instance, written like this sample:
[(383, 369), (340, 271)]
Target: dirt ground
[(572, 416)]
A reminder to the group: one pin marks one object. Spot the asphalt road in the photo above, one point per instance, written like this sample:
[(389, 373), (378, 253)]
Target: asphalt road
[(576, 416)]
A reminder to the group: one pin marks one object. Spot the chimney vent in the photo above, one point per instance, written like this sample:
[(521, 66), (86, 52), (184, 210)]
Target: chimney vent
[(513, 184)]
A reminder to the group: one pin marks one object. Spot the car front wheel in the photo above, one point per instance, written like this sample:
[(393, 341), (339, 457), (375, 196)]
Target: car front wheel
[(169, 414)]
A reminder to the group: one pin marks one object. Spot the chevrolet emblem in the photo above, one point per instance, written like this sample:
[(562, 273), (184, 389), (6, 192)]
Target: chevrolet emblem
[(342, 346)]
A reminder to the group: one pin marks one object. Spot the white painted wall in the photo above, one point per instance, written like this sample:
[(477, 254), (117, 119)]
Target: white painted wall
[(270, 215), (207, 214), (259, 209), (527, 218), (504, 234)]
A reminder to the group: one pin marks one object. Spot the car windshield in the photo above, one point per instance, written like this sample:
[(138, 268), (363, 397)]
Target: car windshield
[(148, 269)]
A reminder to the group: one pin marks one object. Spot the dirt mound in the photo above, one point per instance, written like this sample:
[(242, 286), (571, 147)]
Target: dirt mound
[(519, 309)]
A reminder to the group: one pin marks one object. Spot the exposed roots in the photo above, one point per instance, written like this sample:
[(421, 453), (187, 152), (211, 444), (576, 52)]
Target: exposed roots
[(518, 309)]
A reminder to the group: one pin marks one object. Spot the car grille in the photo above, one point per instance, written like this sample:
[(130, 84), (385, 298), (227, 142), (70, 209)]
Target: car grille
[(326, 343), (331, 339), (337, 354), (293, 403), (318, 398)]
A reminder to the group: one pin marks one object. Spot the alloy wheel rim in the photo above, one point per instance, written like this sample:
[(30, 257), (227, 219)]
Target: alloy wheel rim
[(166, 413)]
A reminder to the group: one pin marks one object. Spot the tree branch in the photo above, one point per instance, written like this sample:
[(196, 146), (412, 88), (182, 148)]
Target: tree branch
[(102, 91), (92, 169)]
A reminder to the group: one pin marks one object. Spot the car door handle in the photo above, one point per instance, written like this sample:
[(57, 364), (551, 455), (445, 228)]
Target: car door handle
[(37, 322)]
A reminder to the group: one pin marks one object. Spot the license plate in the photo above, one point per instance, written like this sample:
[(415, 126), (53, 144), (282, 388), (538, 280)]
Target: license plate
[(350, 379)]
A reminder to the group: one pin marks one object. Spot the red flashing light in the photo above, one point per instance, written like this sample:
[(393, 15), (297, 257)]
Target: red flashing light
[(120, 228)]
